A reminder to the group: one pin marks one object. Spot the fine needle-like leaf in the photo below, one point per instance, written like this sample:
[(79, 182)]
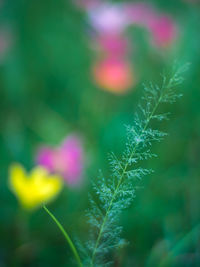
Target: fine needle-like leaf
[(117, 192)]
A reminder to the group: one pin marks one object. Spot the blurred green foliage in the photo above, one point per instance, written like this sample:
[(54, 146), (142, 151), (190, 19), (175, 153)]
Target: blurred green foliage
[(46, 92)]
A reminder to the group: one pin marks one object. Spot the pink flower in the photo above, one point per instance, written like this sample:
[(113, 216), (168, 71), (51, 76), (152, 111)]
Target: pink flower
[(113, 71), (66, 160), (161, 27), (113, 45), (139, 13), (113, 75), (163, 31)]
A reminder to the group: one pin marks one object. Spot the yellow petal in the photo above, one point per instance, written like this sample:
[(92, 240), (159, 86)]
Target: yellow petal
[(35, 189), (47, 188), (38, 173), (17, 177)]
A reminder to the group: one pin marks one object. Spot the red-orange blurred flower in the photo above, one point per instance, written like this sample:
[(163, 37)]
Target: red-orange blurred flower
[(113, 75)]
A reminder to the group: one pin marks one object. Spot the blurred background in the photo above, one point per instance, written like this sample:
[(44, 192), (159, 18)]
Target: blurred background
[(75, 69)]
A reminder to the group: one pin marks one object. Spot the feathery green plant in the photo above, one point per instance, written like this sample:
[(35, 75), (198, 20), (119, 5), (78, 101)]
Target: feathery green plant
[(116, 193)]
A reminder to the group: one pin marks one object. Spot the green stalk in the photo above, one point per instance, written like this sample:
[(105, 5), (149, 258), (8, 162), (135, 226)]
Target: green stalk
[(73, 248), (164, 86), (118, 185)]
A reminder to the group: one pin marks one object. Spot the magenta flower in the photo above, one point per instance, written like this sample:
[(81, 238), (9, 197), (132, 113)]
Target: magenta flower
[(66, 160), (161, 27), (113, 45), (163, 31)]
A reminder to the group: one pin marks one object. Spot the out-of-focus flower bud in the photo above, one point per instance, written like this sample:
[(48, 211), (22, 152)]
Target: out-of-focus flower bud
[(113, 75)]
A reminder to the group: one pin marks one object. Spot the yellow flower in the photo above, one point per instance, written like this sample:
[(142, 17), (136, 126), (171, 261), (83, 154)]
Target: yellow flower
[(35, 188)]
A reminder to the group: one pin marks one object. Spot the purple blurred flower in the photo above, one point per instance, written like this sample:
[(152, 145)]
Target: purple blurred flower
[(66, 160), (108, 18)]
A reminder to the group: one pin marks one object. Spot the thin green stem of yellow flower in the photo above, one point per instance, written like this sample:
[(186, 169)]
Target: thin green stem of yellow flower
[(73, 248)]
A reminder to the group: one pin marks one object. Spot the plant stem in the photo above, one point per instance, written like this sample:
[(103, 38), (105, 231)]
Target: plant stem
[(120, 181), (73, 248)]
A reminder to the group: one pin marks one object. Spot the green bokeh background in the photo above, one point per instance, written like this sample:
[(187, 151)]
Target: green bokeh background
[(47, 92)]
